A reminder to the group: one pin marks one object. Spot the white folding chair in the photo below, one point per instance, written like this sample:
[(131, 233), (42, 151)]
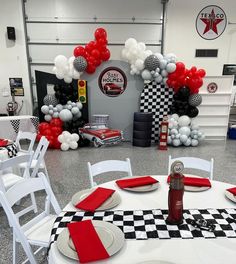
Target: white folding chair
[(9, 178), (107, 166), (25, 136), (195, 163), (37, 231), (37, 161)]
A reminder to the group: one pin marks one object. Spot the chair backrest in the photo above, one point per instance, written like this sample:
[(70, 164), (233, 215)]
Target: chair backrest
[(19, 191), (39, 154), (195, 163), (25, 135), (106, 166), (13, 162)]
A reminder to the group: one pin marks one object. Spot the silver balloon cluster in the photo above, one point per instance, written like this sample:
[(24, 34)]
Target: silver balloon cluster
[(68, 112), (151, 66), (183, 131)]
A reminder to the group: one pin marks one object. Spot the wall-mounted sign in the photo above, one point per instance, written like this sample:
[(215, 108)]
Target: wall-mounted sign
[(16, 86), (112, 81), (212, 87), (211, 22)]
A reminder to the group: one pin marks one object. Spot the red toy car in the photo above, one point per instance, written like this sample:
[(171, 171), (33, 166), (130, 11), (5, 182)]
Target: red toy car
[(100, 135), (112, 89)]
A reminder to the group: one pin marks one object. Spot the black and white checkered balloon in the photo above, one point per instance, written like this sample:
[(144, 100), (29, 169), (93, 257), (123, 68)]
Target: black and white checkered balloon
[(195, 99), (151, 62), (80, 64), (50, 99)]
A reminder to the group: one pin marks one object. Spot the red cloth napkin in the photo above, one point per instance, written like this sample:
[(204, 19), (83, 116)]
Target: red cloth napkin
[(192, 181), (140, 181), (86, 241), (95, 199), (3, 142), (232, 190)]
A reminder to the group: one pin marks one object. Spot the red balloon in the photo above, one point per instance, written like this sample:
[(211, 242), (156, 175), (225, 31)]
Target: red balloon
[(56, 122), (90, 46), (193, 69), (201, 73), (47, 132), (100, 33), (43, 126), (180, 67), (56, 143), (105, 55), (97, 62), (90, 68), (56, 131), (38, 137), (95, 53), (102, 42), (79, 51)]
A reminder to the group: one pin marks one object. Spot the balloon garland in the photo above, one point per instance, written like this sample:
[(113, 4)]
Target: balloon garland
[(85, 59)]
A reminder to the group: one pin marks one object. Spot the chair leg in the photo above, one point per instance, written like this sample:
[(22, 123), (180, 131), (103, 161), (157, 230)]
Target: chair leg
[(15, 249), (46, 173)]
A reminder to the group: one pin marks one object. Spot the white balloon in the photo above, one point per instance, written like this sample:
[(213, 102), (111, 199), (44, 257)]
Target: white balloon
[(60, 61), (47, 118), (184, 131), (170, 67), (50, 112), (73, 104), (171, 57), (147, 53), (146, 74), (45, 109), (55, 115), (169, 140), (158, 79), (170, 125), (73, 145), (172, 136), (61, 138), (177, 136), (174, 131), (183, 138), (69, 107), (64, 146), (79, 105), (164, 73), (176, 142), (71, 60), (163, 64), (68, 138), (76, 74), (75, 110), (187, 142), (60, 76), (59, 107), (78, 115), (65, 115), (141, 46), (54, 69), (67, 79), (131, 42), (75, 137), (194, 127), (184, 120), (50, 107), (175, 116), (159, 56), (66, 134), (194, 142)]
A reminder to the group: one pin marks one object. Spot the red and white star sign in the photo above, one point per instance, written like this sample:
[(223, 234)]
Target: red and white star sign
[(211, 22)]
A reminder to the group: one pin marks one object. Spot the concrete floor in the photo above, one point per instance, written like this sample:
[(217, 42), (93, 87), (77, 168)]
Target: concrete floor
[(68, 173)]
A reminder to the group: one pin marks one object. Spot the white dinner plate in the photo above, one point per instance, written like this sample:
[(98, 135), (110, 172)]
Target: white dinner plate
[(111, 202), (195, 188), (230, 196), (110, 235)]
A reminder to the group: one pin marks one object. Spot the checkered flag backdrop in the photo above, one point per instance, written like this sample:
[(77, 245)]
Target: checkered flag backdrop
[(16, 125), (145, 224), (156, 98), (35, 121)]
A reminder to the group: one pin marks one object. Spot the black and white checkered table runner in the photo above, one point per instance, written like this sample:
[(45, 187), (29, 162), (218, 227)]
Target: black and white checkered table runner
[(156, 98), (145, 224)]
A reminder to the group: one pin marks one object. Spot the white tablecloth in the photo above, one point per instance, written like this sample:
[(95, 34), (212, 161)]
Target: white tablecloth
[(10, 125), (167, 251)]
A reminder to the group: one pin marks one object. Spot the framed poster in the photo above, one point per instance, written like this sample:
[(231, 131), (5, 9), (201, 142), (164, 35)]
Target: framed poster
[(16, 86)]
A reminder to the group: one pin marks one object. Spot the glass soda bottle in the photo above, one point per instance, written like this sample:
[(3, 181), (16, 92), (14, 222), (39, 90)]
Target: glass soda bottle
[(176, 192)]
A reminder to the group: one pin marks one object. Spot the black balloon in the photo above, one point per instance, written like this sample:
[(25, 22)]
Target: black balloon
[(192, 111), (183, 93)]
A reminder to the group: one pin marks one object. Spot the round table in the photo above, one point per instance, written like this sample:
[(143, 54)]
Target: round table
[(167, 251)]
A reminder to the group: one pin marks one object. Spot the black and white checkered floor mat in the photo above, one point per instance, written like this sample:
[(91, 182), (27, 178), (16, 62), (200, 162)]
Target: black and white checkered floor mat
[(145, 224)]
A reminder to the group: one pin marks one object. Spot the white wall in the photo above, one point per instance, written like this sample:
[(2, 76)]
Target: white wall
[(13, 60), (182, 37)]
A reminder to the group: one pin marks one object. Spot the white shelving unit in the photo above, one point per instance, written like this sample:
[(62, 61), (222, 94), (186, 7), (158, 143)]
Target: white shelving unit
[(214, 111)]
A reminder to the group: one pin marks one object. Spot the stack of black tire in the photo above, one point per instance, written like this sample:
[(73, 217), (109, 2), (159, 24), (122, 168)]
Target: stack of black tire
[(142, 129)]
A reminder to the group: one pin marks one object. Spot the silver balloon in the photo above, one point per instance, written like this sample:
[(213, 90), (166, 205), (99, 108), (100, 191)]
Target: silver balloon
[(151, 62), (195, 99), (80, 64)]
